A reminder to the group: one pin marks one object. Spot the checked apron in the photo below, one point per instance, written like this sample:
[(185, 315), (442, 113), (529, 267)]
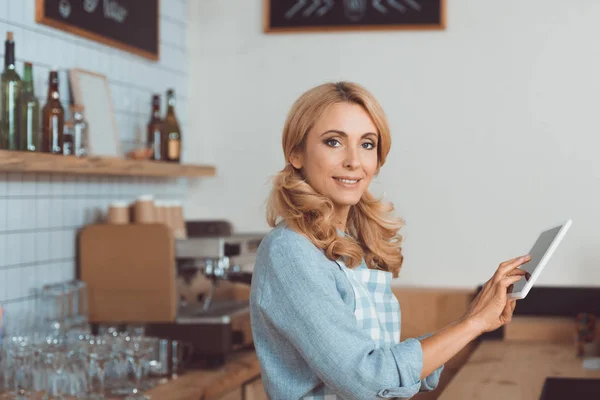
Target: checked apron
[(377, 312)]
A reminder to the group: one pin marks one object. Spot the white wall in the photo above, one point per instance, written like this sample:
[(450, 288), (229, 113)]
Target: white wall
[(41, 213), (494, 124)]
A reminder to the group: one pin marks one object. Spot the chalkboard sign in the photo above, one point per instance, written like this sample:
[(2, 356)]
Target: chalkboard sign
[(332, 15), (130, 25)]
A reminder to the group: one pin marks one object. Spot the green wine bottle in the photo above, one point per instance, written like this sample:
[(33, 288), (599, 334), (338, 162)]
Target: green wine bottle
[(30, 113), (11, 98)]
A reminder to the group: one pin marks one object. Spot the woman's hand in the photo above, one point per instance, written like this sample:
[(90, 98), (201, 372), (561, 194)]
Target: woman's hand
[(491, 308)]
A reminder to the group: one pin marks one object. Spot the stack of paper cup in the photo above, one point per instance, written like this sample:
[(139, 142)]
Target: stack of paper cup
[(118, 213), (144, 210), (161, 212), (178, 220)]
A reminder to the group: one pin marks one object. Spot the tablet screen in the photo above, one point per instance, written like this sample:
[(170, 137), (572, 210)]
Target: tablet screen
[(537, 252)]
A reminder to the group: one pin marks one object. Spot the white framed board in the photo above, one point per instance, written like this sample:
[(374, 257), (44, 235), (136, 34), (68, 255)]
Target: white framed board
[(91, 90)]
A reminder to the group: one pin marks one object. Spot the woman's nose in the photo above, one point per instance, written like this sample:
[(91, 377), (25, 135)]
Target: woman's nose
[(351, 161)]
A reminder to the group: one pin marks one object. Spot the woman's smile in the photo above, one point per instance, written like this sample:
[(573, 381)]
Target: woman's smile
[(347, 182)]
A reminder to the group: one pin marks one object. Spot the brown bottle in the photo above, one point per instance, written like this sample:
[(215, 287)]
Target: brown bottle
[(53, 119), (171, 133), (153, 141)]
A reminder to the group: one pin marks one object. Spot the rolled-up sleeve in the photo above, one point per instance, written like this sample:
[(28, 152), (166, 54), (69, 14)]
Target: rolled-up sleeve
[(300, 299)]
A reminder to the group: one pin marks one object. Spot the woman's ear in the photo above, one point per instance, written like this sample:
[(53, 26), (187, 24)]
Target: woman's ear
[(296, 159)]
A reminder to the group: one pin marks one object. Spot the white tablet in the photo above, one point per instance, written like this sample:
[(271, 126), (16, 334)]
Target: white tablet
[(540, 253)]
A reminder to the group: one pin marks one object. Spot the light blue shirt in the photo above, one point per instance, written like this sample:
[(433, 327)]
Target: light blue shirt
[(305, 331)]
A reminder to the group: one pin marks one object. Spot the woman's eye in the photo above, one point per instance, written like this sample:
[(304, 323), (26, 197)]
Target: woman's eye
[(368, 145), (333, 142)]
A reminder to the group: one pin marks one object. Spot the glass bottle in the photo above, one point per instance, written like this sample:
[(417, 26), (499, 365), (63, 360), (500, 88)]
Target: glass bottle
[(30, 114), (68, 141), (53, 119), (10, 98), (153, 129), (80, 131), (171, 132)]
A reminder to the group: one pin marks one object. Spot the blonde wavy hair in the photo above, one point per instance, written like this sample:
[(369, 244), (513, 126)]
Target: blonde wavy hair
[(372, 233)]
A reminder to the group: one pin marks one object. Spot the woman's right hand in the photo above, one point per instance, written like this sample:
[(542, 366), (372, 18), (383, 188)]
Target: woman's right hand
[(492, 308)]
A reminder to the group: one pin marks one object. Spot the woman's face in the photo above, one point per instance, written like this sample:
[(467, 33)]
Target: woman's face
[(340, 156)]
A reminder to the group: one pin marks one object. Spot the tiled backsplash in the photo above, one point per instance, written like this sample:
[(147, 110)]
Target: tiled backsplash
[(40, 213)]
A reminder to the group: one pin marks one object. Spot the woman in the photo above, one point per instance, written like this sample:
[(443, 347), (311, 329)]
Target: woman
[(325, 322)]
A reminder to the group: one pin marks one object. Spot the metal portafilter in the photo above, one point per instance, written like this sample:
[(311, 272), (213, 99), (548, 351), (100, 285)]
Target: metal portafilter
[(216, 270)]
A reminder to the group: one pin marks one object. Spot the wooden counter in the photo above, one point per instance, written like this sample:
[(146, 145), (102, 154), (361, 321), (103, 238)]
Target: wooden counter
[(515, 370), (217, 384)]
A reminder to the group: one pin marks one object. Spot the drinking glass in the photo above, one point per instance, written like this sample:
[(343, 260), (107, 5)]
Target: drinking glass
[(138, 350), (98, 352)]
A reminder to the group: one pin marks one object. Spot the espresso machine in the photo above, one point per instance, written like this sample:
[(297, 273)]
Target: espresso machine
[(213, 315), (194, 290)]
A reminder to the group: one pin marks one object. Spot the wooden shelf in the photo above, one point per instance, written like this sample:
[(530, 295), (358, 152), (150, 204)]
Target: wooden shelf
[(19, 161)]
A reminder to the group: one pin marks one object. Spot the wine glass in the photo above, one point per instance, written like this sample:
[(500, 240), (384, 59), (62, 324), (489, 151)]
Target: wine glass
[(98, 352), (138, 350), (56, 358), (16, 350)]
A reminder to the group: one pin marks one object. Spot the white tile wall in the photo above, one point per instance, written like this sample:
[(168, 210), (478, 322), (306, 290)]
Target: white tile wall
[(41, 213)]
